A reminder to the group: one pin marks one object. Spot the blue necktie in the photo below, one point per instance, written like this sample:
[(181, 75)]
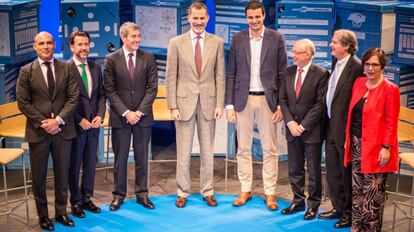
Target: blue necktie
[(331, 88)]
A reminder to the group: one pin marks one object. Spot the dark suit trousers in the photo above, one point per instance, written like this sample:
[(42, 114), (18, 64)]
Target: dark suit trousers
[(84, 152), (339, 178), (121, 140), (298, 152), (39, 155)]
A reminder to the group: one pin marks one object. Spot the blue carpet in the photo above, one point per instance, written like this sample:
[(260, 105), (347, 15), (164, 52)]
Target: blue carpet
[(197, 216)]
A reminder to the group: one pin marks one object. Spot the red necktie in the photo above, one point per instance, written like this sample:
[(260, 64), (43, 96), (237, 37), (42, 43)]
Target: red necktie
[(131, 66), (298, 83), (197, 56)]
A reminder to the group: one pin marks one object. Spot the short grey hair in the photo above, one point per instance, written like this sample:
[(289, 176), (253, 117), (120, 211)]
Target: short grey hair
[(309, 46), (126, 27), (347, 38)]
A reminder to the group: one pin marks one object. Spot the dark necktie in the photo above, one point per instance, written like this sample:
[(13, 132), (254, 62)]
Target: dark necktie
[(197, 56), (50, 79), (131, 66), (298, 83)]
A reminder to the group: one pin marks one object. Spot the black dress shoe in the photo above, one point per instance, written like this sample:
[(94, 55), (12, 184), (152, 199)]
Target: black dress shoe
[(344, 222), (333, 214), (293, 208), (46, 224), (145, 201), (90, 206), (311, 213), (77, 211), (115, 204), (65, 220)]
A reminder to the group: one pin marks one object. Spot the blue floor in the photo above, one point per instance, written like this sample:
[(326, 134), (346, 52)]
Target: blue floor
[(197, 216)]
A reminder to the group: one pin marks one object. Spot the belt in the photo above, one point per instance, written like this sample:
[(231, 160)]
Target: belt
[(261, 93)]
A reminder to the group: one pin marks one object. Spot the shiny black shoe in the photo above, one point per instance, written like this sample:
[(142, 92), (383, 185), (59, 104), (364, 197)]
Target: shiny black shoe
[(46, 224), (293, 208), (145, 201), (311, 213), (115, 204), (65, 220), (91, 207), (333, 214), (77, 211), (344, 222)]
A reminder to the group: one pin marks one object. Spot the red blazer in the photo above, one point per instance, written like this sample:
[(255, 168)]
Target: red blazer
[(379, 125)]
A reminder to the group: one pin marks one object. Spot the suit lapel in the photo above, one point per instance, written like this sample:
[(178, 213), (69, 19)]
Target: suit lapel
[(246, 45), (265, 46), (188, 52), (58, 76), (37, 72), (290, 82), (206, 50), (94, 77), (307, 80), (138, 66), (343, 77), (125, 70), (78, 77)]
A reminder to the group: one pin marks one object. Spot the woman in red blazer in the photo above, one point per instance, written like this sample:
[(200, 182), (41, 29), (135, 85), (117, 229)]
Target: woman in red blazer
[(371, 140)]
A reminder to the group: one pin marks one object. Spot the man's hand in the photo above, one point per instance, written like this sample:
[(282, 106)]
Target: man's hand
[(231, 115), (85, 124), (132, 117), (175, 114), (218, 112), (294, 129), (51, 126), (277, 116), (96, 122)]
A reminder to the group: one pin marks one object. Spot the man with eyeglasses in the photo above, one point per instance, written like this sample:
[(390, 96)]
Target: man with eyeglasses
[(302, 102), (257, 62), (346, 68)]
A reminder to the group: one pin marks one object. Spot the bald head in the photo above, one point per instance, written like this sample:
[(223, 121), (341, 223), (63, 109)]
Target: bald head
[(44, 45)]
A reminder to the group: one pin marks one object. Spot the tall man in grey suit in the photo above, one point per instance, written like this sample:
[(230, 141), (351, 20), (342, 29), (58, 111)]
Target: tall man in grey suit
[(88, 118), (47, 94), (257, 62), (195, 95), (130, 83), (302, 102), (345, 69)]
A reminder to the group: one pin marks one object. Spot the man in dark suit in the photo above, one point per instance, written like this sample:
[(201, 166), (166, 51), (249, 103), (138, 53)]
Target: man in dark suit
[(88, 118), (257, 62), (302, 101), (345, 69), (130, 84), (47, 94)]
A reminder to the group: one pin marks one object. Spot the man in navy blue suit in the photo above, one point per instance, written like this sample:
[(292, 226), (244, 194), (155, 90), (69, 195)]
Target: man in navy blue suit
[(88, 118)]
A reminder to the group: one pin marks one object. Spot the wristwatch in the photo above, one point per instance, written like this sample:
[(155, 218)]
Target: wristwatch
[(386, 146)]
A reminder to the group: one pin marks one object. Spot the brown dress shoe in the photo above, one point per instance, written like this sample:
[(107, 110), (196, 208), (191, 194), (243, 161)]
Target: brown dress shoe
[(211, 201), (271, 203), (181, 202), (242, 199)]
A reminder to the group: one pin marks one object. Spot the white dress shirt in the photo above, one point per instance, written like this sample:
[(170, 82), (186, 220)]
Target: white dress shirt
[(193, 37)]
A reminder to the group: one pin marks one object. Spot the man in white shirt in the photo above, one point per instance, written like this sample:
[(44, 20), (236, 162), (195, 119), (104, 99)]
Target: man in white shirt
[(257, 62)]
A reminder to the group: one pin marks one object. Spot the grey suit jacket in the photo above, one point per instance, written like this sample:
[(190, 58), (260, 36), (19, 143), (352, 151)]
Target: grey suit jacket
[(36, 104), (307, 109), (273, 63), (89, 107), (126, 94), (183, 84)]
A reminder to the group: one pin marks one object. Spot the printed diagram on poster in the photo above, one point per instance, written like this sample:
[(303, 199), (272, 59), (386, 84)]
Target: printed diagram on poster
[(4, 34), (159, 25)]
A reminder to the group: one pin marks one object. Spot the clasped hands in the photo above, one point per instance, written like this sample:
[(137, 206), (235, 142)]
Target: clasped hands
[(133, 117), (86, 125), (295, 129)]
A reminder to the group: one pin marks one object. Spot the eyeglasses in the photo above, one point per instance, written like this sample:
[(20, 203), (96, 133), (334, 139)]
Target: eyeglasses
[(373, 65), (297, 53)]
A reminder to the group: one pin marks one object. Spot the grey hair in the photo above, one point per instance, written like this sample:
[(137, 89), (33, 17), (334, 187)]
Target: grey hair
[(309, 46), (126, 27)]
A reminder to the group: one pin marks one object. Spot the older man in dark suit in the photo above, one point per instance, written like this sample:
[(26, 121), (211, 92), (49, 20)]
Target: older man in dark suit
[(47, 94), (302, 101), (257, 62), (130, 84), (88, 119), (345, 69)]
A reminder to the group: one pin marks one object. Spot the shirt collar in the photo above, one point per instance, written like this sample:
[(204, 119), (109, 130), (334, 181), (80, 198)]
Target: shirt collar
[(344, 60), (78, 62), (305, 68), (42, 61), (193, 35), (261, 35), (126, 52)]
